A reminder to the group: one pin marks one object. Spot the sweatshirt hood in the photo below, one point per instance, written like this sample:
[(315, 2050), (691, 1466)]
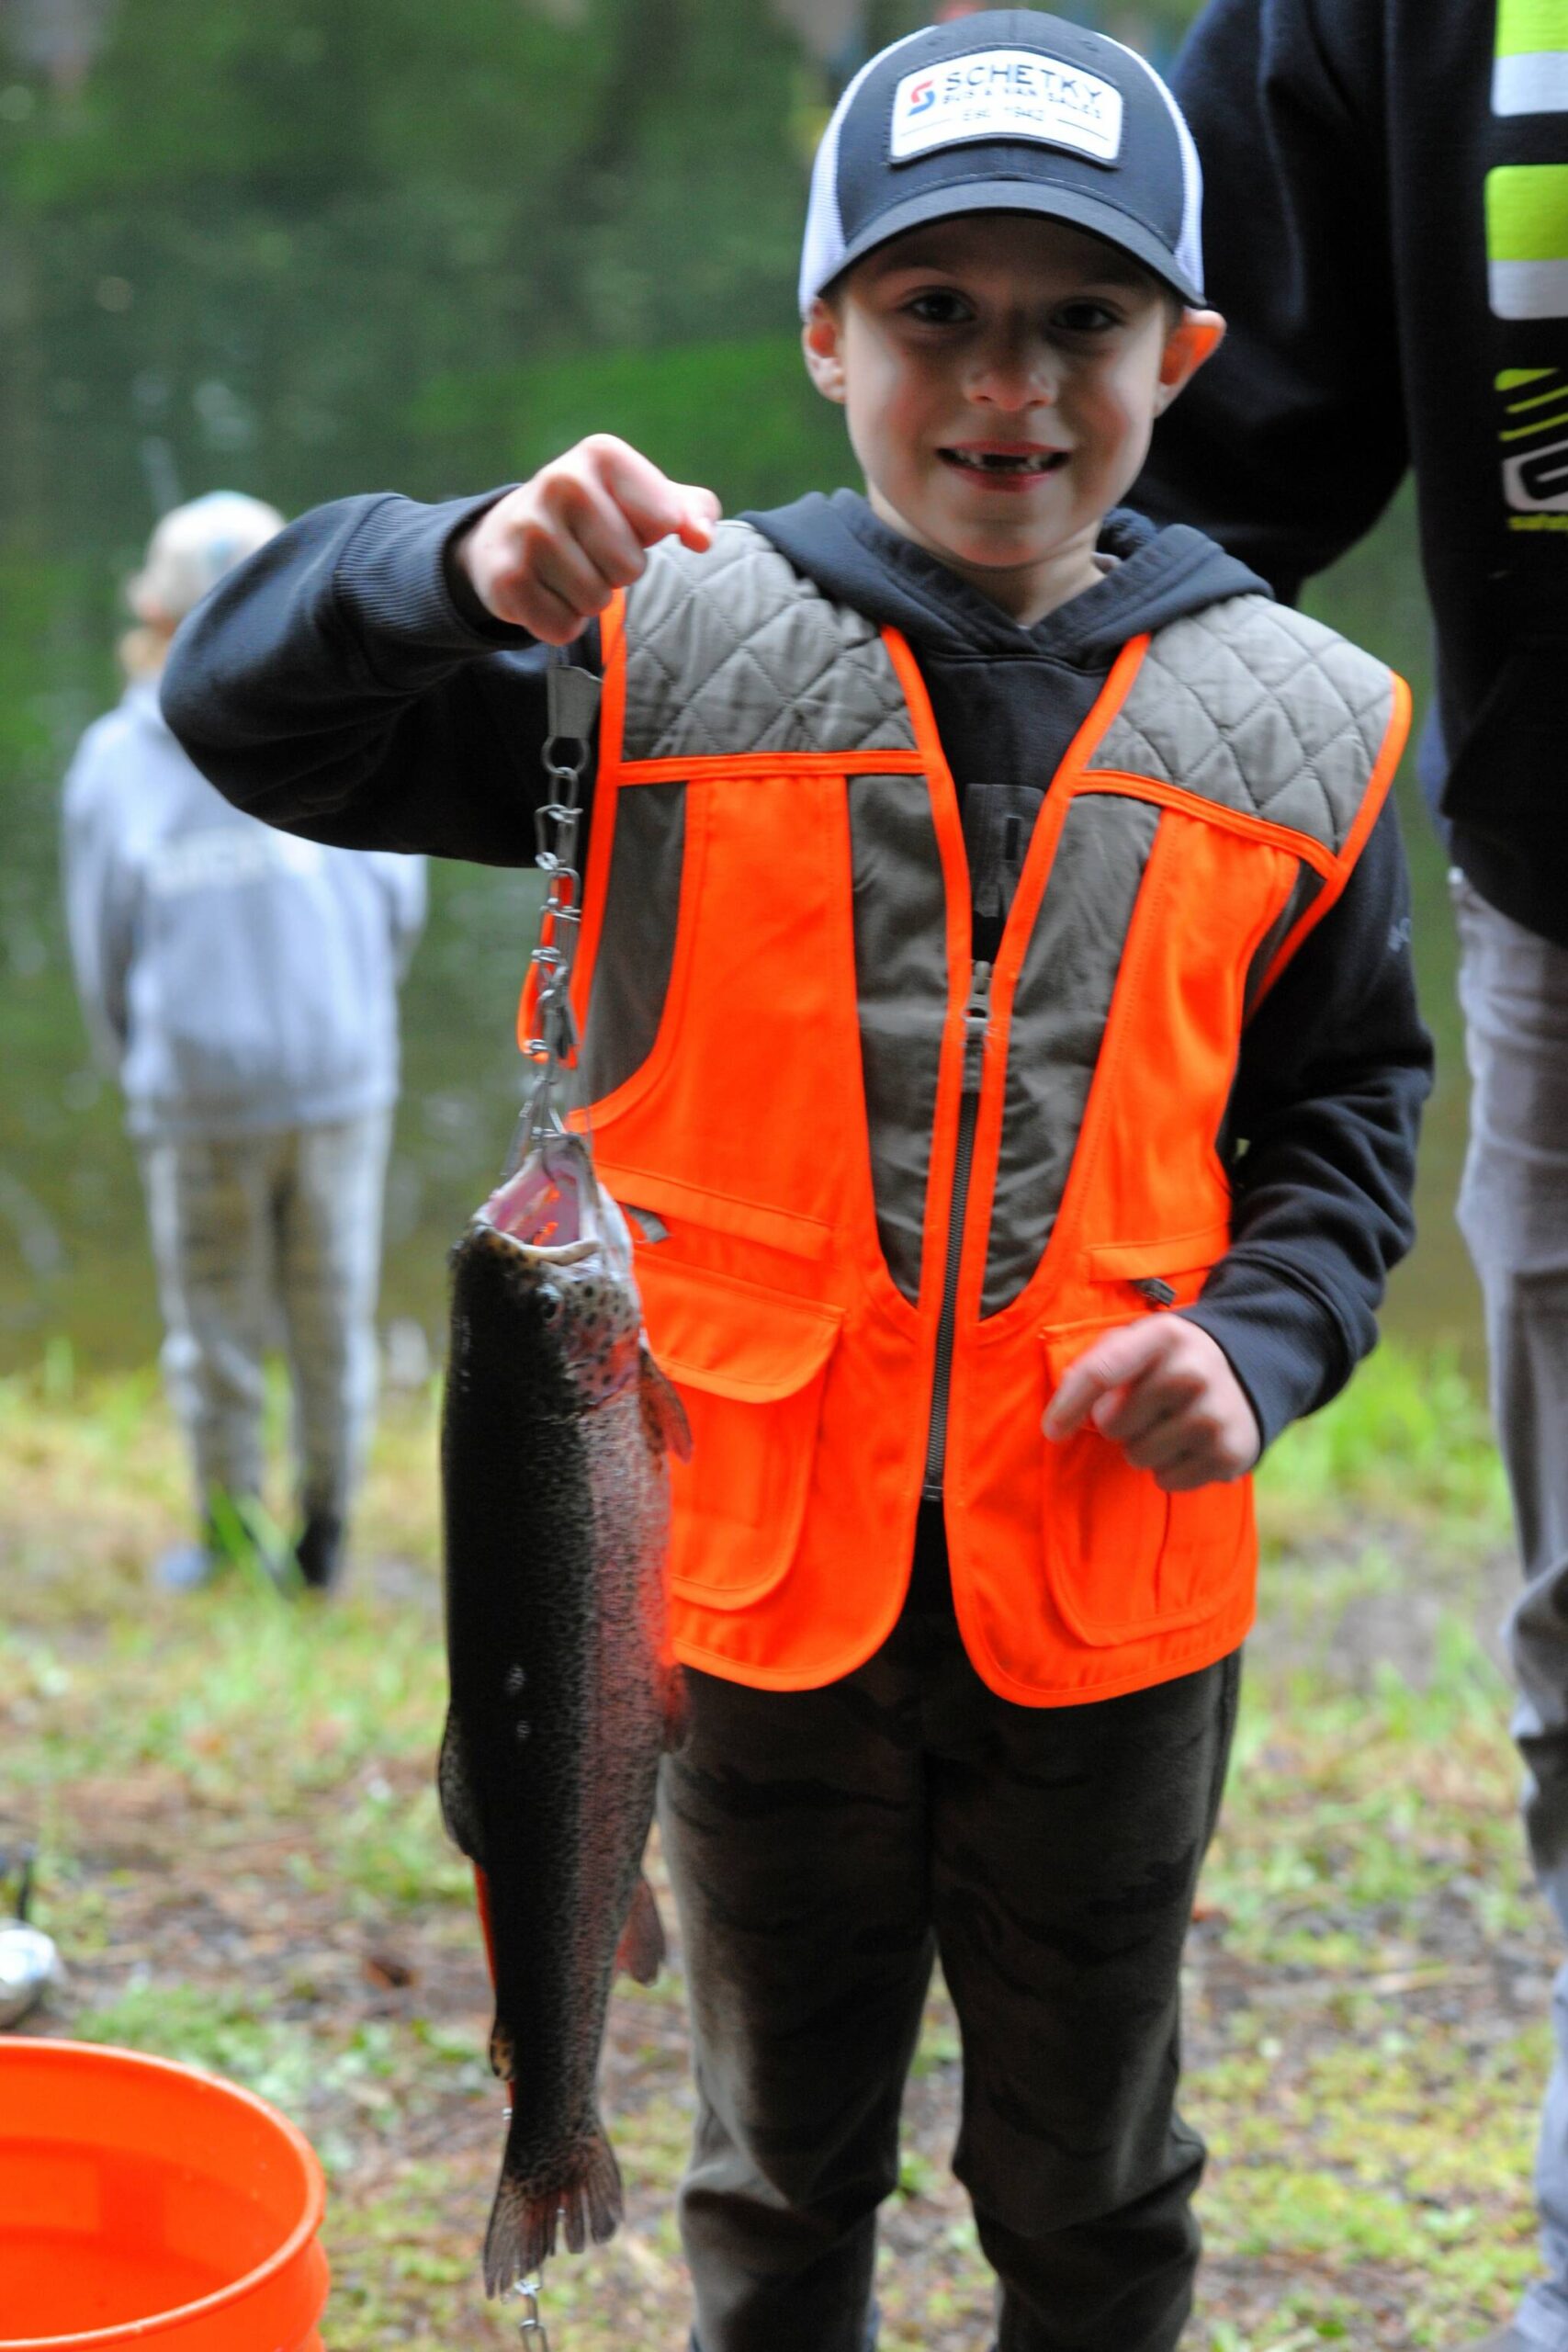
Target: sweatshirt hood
[(1157, 576)]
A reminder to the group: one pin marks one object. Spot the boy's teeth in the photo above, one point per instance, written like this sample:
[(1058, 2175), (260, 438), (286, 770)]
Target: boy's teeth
[(996, 461)]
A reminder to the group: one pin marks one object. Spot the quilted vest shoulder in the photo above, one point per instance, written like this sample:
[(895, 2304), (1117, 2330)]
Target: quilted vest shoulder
[(1258, 708), (733, 652)]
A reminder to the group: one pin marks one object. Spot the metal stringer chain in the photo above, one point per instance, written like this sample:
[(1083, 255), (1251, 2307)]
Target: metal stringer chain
[(530, 2324), (572, 704)]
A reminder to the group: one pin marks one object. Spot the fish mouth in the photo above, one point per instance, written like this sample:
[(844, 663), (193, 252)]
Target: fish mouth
[(561, 1254), (553, 1211)]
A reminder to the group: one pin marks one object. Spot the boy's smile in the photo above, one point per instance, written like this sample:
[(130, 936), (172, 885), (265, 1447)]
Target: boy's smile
[(1000, 374)]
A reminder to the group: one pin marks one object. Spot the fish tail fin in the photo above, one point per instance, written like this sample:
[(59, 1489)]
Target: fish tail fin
[(591, 2206), (523, 2225), (642, 1947), (522, 2234)]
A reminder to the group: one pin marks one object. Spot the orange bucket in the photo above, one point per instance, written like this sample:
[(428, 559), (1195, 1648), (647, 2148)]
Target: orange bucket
[(145, 2205)]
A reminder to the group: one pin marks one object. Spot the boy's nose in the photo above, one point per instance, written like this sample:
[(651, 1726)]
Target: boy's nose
[(1015, 375)]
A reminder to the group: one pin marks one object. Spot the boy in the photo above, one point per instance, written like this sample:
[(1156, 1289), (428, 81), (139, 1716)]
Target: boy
[(244, 990), (949, 847)]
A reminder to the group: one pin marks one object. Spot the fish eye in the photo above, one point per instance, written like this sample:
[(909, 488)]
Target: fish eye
[(550, 1304)]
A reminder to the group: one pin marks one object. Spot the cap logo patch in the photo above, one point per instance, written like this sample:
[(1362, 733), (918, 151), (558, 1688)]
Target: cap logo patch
[(1006, 94)]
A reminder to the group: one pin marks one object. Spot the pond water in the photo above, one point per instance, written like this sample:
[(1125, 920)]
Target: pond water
[(289, 273), (72, 1259)]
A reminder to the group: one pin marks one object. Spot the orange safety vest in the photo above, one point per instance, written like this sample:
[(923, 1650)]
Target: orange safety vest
[(820, 1392)]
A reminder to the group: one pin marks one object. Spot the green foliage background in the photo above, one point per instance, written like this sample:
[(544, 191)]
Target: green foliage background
[(332, 245)]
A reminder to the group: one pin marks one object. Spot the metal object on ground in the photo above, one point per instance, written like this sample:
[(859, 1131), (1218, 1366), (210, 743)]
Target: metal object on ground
[(29, 1963)]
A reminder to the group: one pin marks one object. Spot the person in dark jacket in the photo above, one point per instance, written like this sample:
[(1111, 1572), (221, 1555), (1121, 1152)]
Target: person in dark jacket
[(1387, 233), (1001, 283), (243, 990)]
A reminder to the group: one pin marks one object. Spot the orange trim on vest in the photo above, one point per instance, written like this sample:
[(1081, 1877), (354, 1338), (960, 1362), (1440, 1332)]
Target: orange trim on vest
[(1020, 924), (808, 1377), (1125, 783), (675, 767), (1389, 757), (954, 858)]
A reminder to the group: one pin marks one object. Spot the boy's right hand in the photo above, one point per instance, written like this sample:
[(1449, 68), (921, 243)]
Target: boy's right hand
[(551, 555)]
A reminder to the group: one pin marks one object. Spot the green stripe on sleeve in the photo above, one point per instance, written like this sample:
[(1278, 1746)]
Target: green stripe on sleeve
[(1526, 213), (1531, 25)]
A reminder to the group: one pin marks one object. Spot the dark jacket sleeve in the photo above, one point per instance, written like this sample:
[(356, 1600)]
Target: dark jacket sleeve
[(1288, 444), (1334, 1069), (341, 685)]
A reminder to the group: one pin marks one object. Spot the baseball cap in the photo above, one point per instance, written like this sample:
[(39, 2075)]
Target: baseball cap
[(192, 547), (1009, 110)]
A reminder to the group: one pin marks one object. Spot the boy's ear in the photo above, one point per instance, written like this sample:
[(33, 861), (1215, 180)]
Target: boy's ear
[(1196, 336), (822, 341)]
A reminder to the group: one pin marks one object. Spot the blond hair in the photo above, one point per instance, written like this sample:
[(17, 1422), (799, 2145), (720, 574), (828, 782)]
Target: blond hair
[(188, 554)]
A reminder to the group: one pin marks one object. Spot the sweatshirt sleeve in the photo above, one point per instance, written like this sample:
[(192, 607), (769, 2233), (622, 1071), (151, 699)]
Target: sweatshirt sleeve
[(336, 685), (1334, 1072), (404, 881), (100, 902), (1287, 445)]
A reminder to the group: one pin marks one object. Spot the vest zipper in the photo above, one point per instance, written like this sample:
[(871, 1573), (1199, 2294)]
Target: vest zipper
[(977, 1019)]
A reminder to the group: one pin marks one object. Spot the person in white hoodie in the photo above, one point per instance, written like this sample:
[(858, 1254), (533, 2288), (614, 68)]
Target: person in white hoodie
[(242, 984)]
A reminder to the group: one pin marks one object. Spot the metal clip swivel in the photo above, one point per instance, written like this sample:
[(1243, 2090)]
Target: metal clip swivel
[(530, 2325), (572, 696)]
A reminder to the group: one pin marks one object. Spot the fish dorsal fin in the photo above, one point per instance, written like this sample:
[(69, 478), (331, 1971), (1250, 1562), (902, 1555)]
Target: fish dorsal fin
[(663, 1412)]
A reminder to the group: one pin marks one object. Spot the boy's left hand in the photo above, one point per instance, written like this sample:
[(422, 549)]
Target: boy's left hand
[(1163, 1391)]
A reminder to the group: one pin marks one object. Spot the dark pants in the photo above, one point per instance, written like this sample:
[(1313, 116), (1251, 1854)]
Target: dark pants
[(826, 1846)]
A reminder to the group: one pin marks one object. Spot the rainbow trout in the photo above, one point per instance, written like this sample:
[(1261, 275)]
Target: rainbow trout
[(563, 1691)]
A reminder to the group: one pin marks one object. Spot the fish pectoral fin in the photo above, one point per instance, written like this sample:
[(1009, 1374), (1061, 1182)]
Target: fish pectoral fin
[(677, 1711), (663, 1412), (642, 1947)]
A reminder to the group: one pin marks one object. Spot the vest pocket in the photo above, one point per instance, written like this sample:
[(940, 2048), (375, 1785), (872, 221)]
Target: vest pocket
[(750, 1366), (1123, 1560)]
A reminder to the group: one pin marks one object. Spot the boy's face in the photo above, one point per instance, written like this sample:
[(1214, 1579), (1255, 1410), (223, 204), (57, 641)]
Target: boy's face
[(1000, 375)]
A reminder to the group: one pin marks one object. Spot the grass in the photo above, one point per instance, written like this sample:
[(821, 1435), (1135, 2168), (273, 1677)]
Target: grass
[(244, 1865)]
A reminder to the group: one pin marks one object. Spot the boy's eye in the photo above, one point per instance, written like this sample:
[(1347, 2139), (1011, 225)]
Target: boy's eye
[(938, 308), (1087, 317)]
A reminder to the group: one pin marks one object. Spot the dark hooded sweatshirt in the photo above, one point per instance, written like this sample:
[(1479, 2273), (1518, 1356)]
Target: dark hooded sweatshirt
[(1385, 228), (345, 685)]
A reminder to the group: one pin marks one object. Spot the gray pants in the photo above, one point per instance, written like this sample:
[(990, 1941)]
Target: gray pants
[(824, 1845), (264, 1238), (1512, 1211)]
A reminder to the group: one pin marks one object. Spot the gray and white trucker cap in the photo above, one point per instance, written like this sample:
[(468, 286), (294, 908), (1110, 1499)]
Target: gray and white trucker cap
[(192, 547), (1006, 111)]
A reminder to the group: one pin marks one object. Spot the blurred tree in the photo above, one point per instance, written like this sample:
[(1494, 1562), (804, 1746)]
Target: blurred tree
[(242, 243), (312, 247), (246, 238)]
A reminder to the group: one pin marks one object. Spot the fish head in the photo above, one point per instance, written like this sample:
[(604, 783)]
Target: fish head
[(568, 1262)]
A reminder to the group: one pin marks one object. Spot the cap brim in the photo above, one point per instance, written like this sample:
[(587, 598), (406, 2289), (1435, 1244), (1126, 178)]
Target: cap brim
[(1044, 200)]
